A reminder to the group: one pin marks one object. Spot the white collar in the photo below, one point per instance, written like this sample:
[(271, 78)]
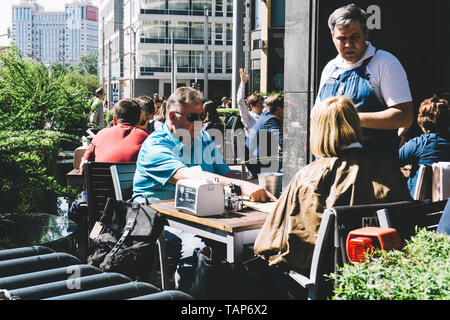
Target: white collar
[(352, 145), (339, 62)]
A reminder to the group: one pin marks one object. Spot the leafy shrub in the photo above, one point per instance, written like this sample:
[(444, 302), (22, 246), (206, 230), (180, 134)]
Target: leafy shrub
[(28, 171), (228, 112), (34, 97), (420, 271)]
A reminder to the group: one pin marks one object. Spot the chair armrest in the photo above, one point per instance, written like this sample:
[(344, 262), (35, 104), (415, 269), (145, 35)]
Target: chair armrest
[(301, 279)]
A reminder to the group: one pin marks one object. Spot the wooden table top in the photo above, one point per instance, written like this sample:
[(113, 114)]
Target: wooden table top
[(229, 221)]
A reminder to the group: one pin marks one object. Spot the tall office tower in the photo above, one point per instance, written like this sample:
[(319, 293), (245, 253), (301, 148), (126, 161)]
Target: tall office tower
[(55, 36), (147, 25)]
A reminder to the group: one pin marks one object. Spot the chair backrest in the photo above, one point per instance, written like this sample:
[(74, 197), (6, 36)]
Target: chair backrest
[(122, 177), (441, 181), (99, 186), (349, 218), (406, 219), (323, 256), (423, 190)]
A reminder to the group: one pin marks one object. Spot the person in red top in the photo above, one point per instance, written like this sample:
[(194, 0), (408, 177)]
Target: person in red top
[(122, 142)]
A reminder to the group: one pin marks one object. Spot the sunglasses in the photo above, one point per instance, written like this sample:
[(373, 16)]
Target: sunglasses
[(191, 117)]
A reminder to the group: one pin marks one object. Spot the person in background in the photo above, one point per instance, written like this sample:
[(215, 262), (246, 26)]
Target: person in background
[(271, 121), (211, 117), (159, 118), (147, 112), (373, 79), (225, 102), (434, 144), (97, 116), (122, 142), (255, 104), (344, 174)]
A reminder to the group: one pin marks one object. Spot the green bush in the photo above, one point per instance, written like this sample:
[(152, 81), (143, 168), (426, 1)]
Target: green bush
[(33, 96), (28, 171), (420, 271), (227, 112)]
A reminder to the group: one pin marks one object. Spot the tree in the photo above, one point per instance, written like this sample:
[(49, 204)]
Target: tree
[(88, 64)]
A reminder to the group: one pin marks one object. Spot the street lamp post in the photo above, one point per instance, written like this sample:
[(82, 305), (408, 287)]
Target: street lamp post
[(134, 31), (205, 61)]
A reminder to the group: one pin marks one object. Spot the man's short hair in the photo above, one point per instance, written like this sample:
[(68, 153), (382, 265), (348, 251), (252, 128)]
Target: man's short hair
[(147, 105), (334, 124), (128, 111), (274, 101), (99, 92), (434, 114), (184, 95), (346, 15), (254, 99)]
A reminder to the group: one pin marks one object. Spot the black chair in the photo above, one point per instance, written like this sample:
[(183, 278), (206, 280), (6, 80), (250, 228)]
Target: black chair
[(330, 248), (99, 186), (406, 220)]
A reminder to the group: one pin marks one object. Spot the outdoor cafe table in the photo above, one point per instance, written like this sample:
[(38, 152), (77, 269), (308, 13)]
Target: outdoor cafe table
[(28, 229), (235, 229), (75, 177)]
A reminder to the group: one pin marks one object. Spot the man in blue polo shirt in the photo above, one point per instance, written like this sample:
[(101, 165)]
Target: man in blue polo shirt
[(170, 153)]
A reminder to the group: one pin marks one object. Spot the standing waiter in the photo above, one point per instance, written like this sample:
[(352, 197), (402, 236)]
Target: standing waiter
[(374, 79)]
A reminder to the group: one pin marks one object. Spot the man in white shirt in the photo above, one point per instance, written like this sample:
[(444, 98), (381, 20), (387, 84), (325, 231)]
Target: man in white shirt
[(255, 102), (374, 79)]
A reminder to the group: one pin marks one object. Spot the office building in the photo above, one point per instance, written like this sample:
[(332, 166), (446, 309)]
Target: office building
[(55, 36), (267, 24), (147, 26)]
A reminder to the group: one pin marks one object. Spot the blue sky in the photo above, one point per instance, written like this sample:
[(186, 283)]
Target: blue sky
[(5, 13)]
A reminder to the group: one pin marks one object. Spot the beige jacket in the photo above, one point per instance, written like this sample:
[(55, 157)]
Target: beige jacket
[(356, 177)]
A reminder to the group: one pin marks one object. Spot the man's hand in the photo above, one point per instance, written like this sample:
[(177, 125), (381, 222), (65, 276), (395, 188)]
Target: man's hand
[(243, 76), (82, 163), (256, 193)]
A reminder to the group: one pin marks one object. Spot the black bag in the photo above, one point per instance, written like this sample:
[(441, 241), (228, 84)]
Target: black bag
[(207, 277), (127, 241)]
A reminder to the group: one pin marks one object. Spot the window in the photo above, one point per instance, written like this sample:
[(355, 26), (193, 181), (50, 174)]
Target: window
[(197, 32), (219, 8), (229, 62), (218, 62), (229, 8), (278, 13), (155, 30), (179, 5), (181, 31), (153, 4), (229, 34), (199, 5), (182, 58), (219, 31)]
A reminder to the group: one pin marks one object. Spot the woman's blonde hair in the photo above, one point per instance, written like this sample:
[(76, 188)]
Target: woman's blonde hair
[(334, 124)]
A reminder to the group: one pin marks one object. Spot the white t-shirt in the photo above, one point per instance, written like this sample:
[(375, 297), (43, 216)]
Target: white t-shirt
[(387, 76)]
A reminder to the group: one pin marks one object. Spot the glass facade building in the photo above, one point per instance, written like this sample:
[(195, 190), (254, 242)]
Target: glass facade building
[(55, 37), (147, 29)]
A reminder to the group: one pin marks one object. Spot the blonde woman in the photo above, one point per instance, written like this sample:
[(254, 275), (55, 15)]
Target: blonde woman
[(343, 174)]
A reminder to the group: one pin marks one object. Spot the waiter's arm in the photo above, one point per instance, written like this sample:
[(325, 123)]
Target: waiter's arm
[(397, 116)]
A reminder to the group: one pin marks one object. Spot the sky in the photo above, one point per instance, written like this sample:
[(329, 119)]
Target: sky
[(6, 13)]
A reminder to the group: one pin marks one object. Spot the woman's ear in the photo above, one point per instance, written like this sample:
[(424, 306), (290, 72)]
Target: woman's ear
[(115, 120)]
